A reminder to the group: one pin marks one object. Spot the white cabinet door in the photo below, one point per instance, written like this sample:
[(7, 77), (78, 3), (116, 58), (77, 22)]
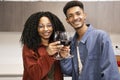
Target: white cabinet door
[(10, 78)]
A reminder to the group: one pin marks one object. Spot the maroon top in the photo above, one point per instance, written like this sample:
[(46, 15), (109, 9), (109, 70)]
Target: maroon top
[(36, 67)]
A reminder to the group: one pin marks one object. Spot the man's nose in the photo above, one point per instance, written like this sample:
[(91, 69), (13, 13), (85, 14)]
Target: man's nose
[(75, 16)]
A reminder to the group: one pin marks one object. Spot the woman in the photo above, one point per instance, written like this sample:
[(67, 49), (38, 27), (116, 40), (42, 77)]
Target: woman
[(39, 48)]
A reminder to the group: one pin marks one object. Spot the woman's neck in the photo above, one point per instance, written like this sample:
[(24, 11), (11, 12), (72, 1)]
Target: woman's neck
[(45, 42)]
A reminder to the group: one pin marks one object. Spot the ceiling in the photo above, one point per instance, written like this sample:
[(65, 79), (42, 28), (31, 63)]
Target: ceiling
[(35, 0)]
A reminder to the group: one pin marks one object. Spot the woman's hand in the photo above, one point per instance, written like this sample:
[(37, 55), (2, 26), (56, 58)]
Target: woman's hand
[(53, 48)]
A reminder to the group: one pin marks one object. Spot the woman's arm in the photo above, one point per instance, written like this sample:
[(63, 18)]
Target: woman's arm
[(37, 67)]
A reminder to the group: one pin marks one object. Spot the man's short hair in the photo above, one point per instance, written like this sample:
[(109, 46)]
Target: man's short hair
[(72, 4)]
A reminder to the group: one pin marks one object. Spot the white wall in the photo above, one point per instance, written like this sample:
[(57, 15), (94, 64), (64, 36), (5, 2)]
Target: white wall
[(11, 55), (116, 42)]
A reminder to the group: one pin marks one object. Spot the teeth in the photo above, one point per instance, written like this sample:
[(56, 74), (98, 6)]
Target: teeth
[(46, 34), (76, 22)]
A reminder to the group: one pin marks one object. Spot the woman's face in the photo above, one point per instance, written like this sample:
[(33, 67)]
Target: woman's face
[(45, 28)]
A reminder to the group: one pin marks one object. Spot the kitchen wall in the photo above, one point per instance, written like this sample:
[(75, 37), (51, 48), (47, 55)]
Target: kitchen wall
[(101, 14)]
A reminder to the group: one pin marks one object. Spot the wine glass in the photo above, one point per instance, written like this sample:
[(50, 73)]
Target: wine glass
[(58, 37), (64, 40)]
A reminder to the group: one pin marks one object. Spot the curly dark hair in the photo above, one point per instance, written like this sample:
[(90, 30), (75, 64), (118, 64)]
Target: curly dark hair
[(30, 36), (72, 4)]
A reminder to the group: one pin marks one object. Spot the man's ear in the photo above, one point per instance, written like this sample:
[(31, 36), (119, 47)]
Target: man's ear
[(67, 20), (85, 16)]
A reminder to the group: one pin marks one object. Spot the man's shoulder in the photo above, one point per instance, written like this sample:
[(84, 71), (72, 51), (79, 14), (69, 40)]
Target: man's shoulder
[(95, 31), (99, 32)]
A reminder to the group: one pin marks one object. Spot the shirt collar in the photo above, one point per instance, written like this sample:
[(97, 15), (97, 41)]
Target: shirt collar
[(85, 36)]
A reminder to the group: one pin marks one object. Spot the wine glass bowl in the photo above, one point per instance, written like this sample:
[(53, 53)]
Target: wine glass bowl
[(57, 37), (67, 41), (64, 40)]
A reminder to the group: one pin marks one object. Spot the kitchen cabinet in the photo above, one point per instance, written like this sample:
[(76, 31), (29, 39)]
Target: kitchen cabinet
[(10, 78)]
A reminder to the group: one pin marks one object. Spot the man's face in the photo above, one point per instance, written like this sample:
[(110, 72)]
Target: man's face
[(76, 17)]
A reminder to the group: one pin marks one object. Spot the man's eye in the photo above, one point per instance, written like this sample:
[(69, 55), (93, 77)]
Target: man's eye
[(78, 13), (69, 16)]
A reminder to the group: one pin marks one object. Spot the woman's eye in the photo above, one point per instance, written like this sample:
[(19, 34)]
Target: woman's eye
[(40, 26), (49, 25)]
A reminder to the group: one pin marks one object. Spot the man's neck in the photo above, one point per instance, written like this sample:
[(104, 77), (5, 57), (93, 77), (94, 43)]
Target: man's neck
[(81, 31)]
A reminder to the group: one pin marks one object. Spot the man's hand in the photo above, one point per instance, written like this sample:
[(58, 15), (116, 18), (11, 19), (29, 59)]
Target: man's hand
[(53, 48), (65, 51)]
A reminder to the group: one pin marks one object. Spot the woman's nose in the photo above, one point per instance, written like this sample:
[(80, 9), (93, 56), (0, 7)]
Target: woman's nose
[(45, 28)]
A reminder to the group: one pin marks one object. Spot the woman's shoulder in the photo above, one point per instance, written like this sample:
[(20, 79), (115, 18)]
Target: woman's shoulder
[(27, 51)]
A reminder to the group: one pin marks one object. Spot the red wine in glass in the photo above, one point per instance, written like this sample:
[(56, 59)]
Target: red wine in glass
[(65, 42)]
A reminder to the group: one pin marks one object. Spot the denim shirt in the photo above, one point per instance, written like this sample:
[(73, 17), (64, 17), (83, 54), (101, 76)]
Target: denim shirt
[(97, 57)]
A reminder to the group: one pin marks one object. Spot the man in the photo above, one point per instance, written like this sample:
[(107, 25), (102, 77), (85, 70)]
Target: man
[(94, 58)]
